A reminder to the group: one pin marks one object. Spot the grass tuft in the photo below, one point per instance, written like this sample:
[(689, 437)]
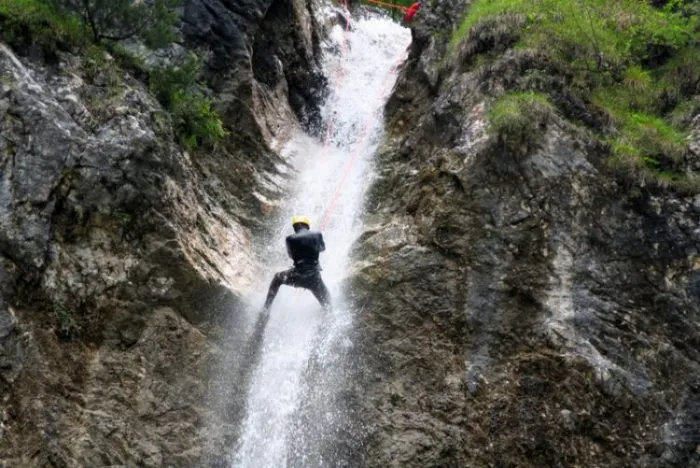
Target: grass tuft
[(515, 117), (636, 62)]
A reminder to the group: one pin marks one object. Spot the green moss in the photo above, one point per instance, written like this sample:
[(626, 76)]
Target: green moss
[(646, 170), (480, 10), (654, 133), (683, 114), (646, 146), (515, 116), (597, 31), (636, 78)]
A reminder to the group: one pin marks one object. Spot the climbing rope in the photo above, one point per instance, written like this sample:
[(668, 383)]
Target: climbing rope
[(358, 147), (388, 5), (330, 208), (338, 76)]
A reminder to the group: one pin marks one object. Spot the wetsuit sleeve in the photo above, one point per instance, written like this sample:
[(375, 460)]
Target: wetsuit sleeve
[(289, 250), (321, 244)]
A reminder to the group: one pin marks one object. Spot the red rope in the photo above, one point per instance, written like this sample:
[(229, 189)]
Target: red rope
[(339, 77), (389, 5), (359, 145), (353, 160)]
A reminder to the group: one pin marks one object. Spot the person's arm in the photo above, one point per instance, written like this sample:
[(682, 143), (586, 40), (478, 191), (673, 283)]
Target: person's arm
[(321, 244), (289, 250)]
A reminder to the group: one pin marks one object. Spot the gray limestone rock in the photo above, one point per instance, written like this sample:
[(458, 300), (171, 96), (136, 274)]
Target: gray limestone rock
[(535, 311), (11, 346), (122, 256)]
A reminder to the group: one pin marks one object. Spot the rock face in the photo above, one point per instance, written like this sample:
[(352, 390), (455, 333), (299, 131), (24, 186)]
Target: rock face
[(517, 306), (121, 255), (261, 50)]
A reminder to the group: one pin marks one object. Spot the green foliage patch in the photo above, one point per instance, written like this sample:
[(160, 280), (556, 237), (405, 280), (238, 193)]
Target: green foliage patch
[(152, 21), (647, 139), (67, 327), (596, 34), (73, 23), (640, 64), (194, 119), (95, 26), (515, 116), (35, 21)]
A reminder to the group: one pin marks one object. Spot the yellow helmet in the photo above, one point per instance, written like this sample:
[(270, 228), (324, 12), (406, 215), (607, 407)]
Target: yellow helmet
[(301, 220)]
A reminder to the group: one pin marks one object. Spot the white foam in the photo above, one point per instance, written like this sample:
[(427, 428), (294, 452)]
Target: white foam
[(332, 178)]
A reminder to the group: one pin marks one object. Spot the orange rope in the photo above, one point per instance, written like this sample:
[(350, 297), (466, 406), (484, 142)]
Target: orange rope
[(389, 5)]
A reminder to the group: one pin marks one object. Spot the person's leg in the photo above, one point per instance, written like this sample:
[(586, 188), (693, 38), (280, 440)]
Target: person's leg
[(320, 291), (278, 280)]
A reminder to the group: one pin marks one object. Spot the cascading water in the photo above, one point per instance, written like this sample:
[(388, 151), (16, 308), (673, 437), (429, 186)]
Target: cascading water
[(361, 64)]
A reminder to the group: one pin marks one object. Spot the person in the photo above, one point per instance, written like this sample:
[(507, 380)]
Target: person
[(411, 12), (303, 247)]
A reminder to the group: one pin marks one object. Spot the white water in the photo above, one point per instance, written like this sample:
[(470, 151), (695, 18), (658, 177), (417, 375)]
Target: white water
[(361, 66)]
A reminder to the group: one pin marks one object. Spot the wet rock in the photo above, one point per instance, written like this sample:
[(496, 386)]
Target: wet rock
[(566, 302), (87, 204), (11, 346), (279, 38), (122, 255), (567, 419)]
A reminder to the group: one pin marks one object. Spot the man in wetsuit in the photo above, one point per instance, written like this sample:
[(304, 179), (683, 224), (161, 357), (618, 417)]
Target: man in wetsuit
[(303, 248)]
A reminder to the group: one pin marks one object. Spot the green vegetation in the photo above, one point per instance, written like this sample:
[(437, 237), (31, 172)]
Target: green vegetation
[(516, 115), (34, 21), (65, 24), (593, 33), (194, 120), (152, 21), (66, 326), (95, 27), (638, 63)]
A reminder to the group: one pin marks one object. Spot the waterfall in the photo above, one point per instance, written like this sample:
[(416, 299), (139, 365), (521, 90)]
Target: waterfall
[(333, 173)]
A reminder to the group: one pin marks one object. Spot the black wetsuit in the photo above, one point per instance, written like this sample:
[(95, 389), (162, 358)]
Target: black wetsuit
[(303, 248)]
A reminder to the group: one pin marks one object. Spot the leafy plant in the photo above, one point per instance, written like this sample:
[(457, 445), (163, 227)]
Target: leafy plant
[(88, 24), (115, 20), (194, 118), (23, 22)]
